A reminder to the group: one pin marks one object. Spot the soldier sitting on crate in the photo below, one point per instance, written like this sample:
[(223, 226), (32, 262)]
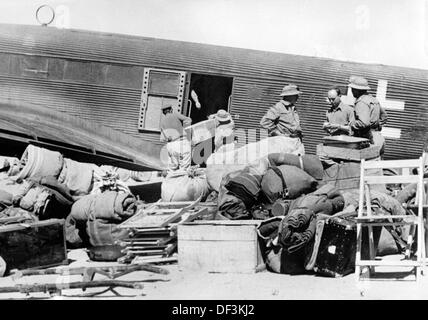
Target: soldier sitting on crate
[(369, 114), (282, 118), (178, 145), (225, 128), (339, 116)]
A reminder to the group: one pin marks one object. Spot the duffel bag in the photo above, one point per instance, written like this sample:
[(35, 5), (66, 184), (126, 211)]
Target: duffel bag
[(286, 182), (246, 186)]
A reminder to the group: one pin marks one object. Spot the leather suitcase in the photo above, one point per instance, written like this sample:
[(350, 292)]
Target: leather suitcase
[(38, 244), (336, 247)]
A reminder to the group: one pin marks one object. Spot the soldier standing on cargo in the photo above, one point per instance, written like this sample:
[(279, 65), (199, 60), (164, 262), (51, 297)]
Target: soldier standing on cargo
[(339, 116), (178, 145), (369, 114), (282, 118)]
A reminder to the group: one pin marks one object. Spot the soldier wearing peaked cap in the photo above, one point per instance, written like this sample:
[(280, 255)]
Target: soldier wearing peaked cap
[(369, 114), (282, 118)]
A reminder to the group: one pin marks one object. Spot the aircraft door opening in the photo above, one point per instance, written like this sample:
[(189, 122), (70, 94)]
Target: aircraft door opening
[(208, 94)]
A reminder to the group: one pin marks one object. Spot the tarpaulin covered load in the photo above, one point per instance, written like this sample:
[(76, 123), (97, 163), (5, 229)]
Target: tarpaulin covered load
[(98, 215), (43, 197), (311, 164), (40, 162), (221, 163), (298, 226), (77, 176), (187, 185), (286, 182), (237, 205)]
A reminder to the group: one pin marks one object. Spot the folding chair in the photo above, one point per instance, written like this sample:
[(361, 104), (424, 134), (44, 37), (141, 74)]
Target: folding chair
[(367, 219)]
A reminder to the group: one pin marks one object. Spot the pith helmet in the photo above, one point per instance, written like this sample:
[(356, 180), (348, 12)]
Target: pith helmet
[(223, 116), (358, 83), (290, 90)]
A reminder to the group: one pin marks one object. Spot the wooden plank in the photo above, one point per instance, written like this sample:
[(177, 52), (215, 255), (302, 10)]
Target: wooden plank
[(348, 154), (390, 179), (174, 205), (414, 163), (218, 256), (159, 215), (206, 232), (22, 226), (226, 222), (152, 259), (395, 223), (380, 217), (378, 263)]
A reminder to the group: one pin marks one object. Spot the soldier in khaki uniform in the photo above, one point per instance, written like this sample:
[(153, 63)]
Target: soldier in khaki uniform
[(172, 132), (370, 116), (282, 118), (339, 116)]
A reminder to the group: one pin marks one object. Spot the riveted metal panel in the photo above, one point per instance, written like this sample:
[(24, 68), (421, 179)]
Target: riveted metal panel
[(258, 79)]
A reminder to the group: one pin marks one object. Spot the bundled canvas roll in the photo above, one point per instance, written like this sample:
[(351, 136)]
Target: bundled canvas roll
[(77, 176), (220, 163), (40, 162), (185, 186), (311, 164), (97, 216), (286, 181)]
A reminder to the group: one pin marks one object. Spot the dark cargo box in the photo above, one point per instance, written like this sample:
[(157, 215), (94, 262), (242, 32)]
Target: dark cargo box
[(38, 244), (336, 251)]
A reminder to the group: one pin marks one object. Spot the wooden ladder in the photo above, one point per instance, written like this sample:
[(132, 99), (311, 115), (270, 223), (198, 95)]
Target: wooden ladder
[(367, 219)]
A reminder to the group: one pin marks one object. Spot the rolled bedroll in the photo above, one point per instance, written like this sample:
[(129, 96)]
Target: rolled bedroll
[(40, 162)]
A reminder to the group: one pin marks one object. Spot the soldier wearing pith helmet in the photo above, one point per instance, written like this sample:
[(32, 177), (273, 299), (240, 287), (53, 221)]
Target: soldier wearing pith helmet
[(370, 116), (282, 118)]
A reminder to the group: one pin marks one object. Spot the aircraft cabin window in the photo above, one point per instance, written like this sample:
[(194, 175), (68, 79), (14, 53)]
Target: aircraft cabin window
[(160, 87), (34, 66)]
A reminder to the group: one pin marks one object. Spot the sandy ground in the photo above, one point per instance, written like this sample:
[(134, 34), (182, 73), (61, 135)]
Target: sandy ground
[(186, 285)]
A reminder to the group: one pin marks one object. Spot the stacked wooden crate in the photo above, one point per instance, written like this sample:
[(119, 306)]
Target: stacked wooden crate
[(153, 230), (347, 152), (347, 148)]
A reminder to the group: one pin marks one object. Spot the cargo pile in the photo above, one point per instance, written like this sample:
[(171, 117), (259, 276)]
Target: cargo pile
[(90, 200), (298, 207)]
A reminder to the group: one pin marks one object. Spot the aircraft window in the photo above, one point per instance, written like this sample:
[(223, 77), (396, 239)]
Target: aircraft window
[(35, 66), (4, 63), (123, 76), (160, 87), (56, 69), (98, 73), (162, 83), (77, 71)]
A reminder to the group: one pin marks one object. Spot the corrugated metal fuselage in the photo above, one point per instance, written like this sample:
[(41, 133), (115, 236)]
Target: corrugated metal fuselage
[(98, 77)]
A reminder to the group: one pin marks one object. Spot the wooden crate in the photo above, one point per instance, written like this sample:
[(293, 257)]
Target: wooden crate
[(371, 152), (224, 246), (38, 244)]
